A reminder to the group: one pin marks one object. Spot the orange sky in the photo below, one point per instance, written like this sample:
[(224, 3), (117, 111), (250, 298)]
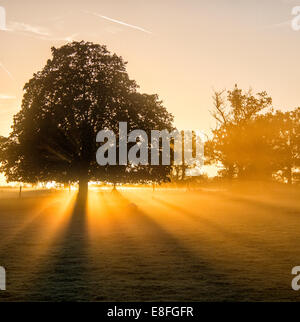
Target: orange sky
[(180, 49)]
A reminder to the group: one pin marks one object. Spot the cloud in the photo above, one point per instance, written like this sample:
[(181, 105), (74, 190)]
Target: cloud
[(20, 26), (67, 38), (279, 25), (7, 97), (120, 22), (23, 29), (36, 32)]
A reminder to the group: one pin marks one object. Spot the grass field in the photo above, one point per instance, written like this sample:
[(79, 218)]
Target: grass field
[(139, 245)]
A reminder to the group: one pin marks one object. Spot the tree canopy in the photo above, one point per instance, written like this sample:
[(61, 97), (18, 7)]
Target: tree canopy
[(251, 140), (81, 90)]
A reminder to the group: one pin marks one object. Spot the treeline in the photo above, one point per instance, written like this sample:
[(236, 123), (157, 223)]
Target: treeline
[(252, 141), (84, 88)]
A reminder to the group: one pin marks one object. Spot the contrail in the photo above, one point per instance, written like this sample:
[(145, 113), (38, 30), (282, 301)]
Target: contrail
[(7, 71), (122, 23)]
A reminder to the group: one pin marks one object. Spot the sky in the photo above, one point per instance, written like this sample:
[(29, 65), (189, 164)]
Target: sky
[(179, 49)]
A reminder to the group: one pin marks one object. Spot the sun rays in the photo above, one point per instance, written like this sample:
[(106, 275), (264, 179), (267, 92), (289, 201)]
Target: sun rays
[(139, 242), (137, 214)]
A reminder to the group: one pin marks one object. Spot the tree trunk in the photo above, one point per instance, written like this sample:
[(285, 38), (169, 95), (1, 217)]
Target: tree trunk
[(83, 187), (188, 186), (290, 175), (230, 172)]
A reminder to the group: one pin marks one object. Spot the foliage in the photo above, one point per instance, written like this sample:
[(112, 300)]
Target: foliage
[(81, 90)]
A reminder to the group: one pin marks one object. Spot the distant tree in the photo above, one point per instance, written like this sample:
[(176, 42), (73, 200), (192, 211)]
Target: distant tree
[(285, 139), (236, 143), (179, 171), (294, 143), (251, 140), (81, 90)]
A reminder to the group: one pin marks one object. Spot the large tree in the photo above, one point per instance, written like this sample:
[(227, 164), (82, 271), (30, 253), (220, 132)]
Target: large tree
[(82, 89)]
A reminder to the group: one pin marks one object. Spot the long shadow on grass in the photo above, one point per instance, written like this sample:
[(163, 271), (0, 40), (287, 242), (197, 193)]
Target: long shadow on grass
[(280, 209), (237, 238), (180, 273), (202, 220), (64, 275)]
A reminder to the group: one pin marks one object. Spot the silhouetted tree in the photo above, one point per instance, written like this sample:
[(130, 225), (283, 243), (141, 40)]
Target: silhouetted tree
[(82, 89), (179, 172), (237, 143), (253, 141), (285, 138)]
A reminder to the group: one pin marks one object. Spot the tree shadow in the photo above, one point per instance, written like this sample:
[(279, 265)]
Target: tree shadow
[(201, 220), (258, 243), (64, 276), (180, 273), (279, 209), (255, 201)]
